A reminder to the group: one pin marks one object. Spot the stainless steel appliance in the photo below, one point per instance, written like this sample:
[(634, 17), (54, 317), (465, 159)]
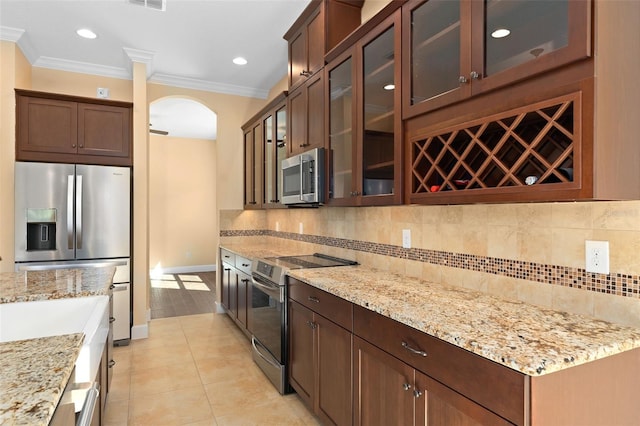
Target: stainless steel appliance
[(302, 178), (69, 215), (268, 311)]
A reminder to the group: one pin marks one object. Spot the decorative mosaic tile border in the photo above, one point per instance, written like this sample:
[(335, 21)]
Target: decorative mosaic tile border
[(618, 284)]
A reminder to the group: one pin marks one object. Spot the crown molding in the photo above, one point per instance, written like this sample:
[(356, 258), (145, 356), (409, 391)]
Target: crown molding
[(82, 67), (11, 34), (208, 86)]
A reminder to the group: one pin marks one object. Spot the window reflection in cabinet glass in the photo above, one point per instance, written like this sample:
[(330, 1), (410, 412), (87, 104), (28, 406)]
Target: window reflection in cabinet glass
[(435, 45), (534, 28), (378, 141), (341, 130), (268, 160)]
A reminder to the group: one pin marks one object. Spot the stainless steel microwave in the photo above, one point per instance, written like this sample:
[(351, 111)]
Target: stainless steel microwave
[(302, 178)]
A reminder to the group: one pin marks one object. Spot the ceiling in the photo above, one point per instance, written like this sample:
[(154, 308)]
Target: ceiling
[(191, 44)]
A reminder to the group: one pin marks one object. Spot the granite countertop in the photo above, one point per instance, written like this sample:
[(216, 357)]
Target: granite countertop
[(261, 251), (35, 372), (34, 375), (524, 337), (529, 339), (29, 286)]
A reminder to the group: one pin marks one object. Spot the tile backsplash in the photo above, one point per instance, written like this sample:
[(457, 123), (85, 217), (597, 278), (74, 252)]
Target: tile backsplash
[(530, 252)]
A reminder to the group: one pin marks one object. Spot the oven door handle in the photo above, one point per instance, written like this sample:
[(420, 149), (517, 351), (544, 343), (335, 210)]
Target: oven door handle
[(275, 292), (271, 362)]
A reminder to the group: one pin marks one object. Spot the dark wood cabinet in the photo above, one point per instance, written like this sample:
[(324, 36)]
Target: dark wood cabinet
[(228, 277), (70, 129), (306, 116), (320, 368), (266, 141), (365, 129), (458, 49), (319, 28)]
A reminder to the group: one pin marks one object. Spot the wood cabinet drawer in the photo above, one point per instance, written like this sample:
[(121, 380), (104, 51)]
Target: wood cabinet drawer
[(489, 384), (243, 264), (329, 306), (227, 257)]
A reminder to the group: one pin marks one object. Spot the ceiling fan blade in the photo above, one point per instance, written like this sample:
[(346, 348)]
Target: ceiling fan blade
[(159, 132)]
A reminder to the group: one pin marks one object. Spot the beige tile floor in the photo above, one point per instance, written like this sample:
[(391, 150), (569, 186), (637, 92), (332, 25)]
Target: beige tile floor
[(196, 370)]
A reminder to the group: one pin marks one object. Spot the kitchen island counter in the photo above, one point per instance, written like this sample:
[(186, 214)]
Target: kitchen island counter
[(34, 375), (29, 286), (532, 340)]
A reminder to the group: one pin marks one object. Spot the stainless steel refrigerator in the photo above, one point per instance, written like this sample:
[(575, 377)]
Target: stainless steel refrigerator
[(73, 215)]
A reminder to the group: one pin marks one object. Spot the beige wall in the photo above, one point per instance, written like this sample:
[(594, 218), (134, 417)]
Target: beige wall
[(371, 7), (15, 71), (76, 84), (182, 202)]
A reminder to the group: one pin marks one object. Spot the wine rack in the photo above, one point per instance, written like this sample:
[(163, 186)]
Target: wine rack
[(525, 147)]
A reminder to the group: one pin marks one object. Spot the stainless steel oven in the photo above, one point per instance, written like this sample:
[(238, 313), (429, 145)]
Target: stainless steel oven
[(267, 316)]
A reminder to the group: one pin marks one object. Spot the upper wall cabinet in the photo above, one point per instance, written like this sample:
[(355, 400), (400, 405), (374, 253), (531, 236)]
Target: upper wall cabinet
[(457, 49), (322, 25), (365, 128), (265, 146), (306, 116), (69, 129)]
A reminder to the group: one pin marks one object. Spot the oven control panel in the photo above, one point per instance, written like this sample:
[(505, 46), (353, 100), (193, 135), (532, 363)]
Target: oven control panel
[(265, 269)]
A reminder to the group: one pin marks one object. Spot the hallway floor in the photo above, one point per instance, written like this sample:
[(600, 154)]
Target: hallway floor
[(196, 370), (175, 295)]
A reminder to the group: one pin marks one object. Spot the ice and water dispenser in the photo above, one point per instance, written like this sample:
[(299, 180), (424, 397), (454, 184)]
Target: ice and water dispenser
[(41, 229)]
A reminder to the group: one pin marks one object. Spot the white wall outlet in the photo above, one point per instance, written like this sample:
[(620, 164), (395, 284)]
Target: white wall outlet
[(300, 228), (596, 255), (406, 238), (102, 92), (277, 226)]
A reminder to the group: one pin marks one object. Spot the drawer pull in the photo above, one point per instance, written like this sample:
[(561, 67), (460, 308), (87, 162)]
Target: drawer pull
[(313, 299), (412, 350), (226, 256), (406, 386), (246, 265)]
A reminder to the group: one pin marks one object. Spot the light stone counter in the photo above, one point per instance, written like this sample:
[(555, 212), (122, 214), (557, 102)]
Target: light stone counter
[(34, 372), (34, 375), (526, 338), (29, 286), (264, 250)]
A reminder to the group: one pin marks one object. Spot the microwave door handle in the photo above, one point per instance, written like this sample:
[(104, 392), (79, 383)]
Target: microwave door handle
[(70, 212), (301, 178)]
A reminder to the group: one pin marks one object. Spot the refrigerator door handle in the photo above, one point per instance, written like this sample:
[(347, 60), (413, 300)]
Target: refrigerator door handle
[(78, 212), (70, 212)]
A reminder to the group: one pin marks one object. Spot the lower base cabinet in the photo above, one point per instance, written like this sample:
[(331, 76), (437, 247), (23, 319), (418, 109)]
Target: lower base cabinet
[(320, 364), (389, 392)]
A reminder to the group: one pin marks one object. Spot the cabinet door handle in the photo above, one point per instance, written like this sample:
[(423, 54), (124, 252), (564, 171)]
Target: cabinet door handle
[(246, 265), (462, 80), (417, 393), (312, 325), (313, 299), (305, 73), (111, 319), (412, 350), (474, 75), (112, 363), (406, 386)]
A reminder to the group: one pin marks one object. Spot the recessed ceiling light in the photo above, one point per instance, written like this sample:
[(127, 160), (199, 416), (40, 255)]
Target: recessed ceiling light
[(389, 86), (240, 61), (500, 33), (86, 33)]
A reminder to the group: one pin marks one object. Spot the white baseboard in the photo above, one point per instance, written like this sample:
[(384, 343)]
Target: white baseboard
[(220, 309), (139, 331), (182, 270)]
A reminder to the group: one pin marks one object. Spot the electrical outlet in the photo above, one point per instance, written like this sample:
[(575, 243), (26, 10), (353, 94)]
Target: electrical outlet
[(406, 238), (277, 226), (597, 256), (300, 228)]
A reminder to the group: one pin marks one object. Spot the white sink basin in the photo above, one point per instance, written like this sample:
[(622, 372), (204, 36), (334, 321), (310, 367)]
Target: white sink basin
[(88, 315)]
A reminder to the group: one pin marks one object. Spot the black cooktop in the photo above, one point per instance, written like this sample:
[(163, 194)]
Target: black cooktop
[(315, 260)]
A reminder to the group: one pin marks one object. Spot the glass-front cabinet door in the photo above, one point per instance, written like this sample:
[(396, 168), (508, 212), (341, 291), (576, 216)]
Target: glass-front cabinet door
[(365, 127), (275, 150), (462, 48), (341, 131)]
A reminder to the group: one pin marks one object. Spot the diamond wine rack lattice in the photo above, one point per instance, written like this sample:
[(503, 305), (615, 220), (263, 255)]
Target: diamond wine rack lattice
[(533, 145)]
